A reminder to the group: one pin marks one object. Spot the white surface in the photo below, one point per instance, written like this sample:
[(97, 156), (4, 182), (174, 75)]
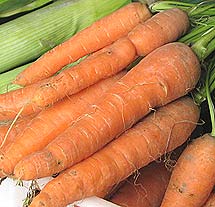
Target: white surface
[(95, 202), (12, 195)]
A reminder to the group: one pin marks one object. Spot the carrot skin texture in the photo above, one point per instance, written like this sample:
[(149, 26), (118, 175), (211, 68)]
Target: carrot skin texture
[(152, 83), (44, 128), (100, 34), (134, 149), (210, 201), (193, 177), (115, 57), (102, 63), (160, 29), (145, 188), (18, 127), (13, 102)]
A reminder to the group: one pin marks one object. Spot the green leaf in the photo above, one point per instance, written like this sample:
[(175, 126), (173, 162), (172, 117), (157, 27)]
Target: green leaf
[(12, 7)]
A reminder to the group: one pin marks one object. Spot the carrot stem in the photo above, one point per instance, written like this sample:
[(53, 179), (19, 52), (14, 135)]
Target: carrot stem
[(201, 47), (164, 5), (200, 94), (210, 103), (195, 34)]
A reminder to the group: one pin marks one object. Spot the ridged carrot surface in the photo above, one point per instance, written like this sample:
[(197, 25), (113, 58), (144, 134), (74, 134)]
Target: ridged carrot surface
[(10, 129), (158, 133), (18, 101), (165, 27), (193, 177), (101, 33), (166, 74), (52, 121), (102, 64)]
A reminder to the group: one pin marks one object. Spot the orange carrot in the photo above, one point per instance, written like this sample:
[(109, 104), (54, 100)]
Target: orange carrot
[(210, 201), (164, 75), (51, 122), (98, 35), (144, 188), (18, 101), (10, 129), (158, 133), (193, 177), (159, 30), (102, 64), (115, 57)]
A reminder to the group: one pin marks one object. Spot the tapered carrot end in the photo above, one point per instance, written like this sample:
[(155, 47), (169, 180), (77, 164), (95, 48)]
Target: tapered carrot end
[(41, 200), (19, 80), (6, 167), (21, 172), (143, 12)]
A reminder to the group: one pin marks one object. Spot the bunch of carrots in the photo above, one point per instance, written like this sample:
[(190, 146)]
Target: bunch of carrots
[(97, 122)]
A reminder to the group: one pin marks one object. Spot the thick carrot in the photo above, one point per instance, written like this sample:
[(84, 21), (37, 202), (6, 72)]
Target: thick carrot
[(103, 63), (144, 188), (210, 201), (98, 66), (193, 177), (164, 75), (114, 58), (10, 129), (159, 30), (101, 33), (51, 122), (158, 133)]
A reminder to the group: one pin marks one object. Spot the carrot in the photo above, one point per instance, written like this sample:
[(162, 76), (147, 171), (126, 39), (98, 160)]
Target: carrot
[(98, 66), (210, 201), (113, 58), (164, 75), (158, 133), (105, 62), (101, 65), (101, 33), (193, 177), (51, 122), (144, 188), (18, 101), (10, 129), (162, 28)]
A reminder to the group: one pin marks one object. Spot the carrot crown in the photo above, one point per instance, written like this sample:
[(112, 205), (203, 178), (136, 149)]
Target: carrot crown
[(206, 88), (201, 36), (209, 97)]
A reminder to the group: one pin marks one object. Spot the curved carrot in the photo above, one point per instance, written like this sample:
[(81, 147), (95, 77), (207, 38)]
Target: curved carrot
[(162, 28), (101, 33), (115, 57), (164, 75), (193, 177), (210, 201), (158, 133), (144, 188), (105, 62), (51, 122), (101, 65)]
